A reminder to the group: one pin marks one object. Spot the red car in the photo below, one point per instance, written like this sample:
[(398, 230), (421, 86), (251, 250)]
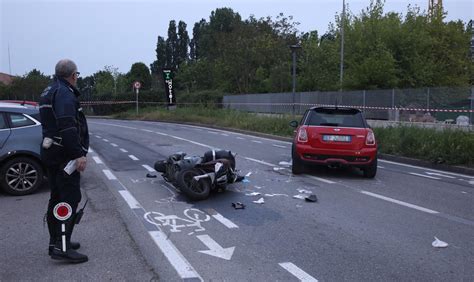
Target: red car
[(334, 137)]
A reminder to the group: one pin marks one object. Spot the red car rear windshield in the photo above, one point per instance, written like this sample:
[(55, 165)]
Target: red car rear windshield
[(335, 117)]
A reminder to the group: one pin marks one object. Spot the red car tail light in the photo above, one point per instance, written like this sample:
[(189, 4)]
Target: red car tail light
[(370, 139), (302, 135)]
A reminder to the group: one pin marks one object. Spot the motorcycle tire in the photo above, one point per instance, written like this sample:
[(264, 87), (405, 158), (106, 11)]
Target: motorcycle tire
[(194, 189)]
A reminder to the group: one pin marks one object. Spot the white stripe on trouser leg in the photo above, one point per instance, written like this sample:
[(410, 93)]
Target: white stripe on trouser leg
[(63, 229)]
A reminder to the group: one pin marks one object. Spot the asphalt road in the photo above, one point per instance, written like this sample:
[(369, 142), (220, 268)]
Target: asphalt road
[(360, 229)]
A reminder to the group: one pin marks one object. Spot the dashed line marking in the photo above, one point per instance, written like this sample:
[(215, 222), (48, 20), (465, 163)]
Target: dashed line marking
[(97, 160), (424, 168), (226, 222), (240, 138), (133, 157), (90, 150), (279, 146), (149, 168), (425, 176), (379, 166), (256, 141), (97, 136), (400, 202), (105, 140), (147, 130), (109, 174), (223, 134), (123, 150), (212, 132), (114, 145), (131, 201), (298, 272)]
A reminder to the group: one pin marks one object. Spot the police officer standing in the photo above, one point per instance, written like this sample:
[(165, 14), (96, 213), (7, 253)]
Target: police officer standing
[(65, 139)]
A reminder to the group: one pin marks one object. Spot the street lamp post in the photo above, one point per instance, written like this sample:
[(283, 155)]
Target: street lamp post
[(294, 48)]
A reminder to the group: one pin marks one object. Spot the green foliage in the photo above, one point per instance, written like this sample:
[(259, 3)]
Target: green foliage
[(28, 87), (139, 72)]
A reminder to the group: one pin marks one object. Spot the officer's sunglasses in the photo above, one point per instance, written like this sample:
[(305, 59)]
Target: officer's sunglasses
[(77, 74)]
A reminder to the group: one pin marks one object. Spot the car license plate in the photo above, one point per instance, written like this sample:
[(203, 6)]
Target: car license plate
[(337, 138)]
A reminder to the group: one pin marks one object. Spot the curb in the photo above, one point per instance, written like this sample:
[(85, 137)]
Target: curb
[(400, 159)]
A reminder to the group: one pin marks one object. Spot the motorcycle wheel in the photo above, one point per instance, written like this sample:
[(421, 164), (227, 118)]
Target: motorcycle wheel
[(195, 190)]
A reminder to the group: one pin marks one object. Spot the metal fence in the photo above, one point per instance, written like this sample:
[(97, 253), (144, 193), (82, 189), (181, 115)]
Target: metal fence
[(444, 104)]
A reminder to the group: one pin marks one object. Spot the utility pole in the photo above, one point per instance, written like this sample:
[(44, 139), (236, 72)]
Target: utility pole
[(341, 74)]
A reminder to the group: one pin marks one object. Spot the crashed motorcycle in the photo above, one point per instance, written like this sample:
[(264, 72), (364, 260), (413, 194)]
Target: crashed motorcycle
[(197, 176)]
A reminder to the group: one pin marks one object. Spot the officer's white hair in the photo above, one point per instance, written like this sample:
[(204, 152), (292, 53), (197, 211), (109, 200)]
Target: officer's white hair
[(65, 68)]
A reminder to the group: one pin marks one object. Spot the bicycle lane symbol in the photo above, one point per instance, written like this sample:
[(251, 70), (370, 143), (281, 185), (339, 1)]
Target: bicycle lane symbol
[(193, 219)]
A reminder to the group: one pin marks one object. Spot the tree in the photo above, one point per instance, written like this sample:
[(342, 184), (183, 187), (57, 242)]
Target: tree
[(171, 46), (182, 44), (103, 83), (160, 61), (140, 72)]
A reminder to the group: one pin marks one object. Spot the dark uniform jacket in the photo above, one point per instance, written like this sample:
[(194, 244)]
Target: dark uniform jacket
[(63, 121)]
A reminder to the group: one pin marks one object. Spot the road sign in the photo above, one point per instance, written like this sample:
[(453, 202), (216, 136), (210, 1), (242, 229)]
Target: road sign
[(168, 80), (137, 85)]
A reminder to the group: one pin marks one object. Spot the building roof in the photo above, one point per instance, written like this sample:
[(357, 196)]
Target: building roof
[(6, 78)]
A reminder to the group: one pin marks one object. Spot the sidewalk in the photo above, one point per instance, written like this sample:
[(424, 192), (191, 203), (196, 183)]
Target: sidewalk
[(113, 255)]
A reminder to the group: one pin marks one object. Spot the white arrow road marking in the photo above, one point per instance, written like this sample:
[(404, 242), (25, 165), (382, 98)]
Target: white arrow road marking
[(425, 176), (215, 249), (298, 272), (439, 174)]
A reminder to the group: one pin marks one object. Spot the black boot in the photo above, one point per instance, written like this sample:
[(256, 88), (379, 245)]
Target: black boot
[(69, 255), (74, 246)]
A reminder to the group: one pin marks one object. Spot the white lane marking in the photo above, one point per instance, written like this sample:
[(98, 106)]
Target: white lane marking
[(109, 174), (256, 141), (440, 174), (123, 150), (147, 130), (149, 168), (97, 136), (133, 157), (240, 138), (426, 169), (193, 142), (131, 201), (279, 146), (105, 140), (97, 160), (297, 272), (464, 192), (90, 150), (215, 249), (399, 202), (174, 256), (321, 179), (226, 222), (425, 176), (223, 134), (379, 166), (260, 162), (114, 145), (161, 133), (212, 132), (471, 182)]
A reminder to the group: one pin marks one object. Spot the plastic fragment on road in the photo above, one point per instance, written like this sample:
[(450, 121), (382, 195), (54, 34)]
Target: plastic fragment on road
[(273, 195), (259, 201), (149, 175), (238, 206), (286, 164), (254, 194), (277, 168), (245, 180), (311, 198), (301, 197), (437, 243), (248, 174), (304, 191)]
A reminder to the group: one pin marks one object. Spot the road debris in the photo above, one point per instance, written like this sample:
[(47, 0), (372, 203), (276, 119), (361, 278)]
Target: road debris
[(285, 164), (311, 198), (254, 194), (273, 195), (277, 168), (149, 175), (245, 180), (248, 174), (301, 197), (259, 201), (437, 243), (304, 191), (238, 206)]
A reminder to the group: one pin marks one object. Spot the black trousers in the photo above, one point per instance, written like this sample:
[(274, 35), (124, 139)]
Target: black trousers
[(64, 188)]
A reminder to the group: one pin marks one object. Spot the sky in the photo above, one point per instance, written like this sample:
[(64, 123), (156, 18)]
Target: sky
[(119, 33)]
